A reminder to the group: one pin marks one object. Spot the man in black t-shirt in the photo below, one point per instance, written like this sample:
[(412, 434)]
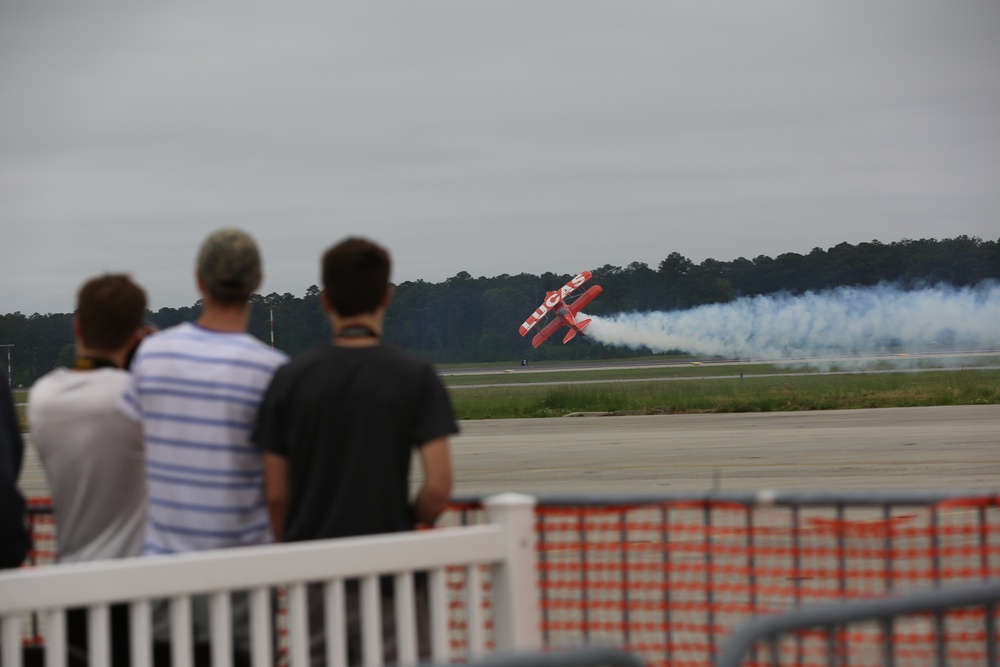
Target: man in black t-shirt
[(339, 423)]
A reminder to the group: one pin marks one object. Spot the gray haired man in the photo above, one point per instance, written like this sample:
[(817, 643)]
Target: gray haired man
[(195, 389)]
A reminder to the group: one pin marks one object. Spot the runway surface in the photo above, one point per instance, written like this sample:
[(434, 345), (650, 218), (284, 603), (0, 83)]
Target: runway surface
[(891, 448), (936, 448)]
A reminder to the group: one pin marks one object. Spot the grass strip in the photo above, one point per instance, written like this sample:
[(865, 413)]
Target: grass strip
[(20, 408), (665, 372), (759, 394), (707, 393), (688, 370)]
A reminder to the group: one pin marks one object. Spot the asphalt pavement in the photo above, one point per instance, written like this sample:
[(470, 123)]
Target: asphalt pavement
[(935, 448), (932, 448)]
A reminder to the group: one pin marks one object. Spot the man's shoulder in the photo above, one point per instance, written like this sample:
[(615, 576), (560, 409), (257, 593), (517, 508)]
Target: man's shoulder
[(165, 338), (406, 360), (45, 383), (190, 340), (385, 354), (44, 391), (65, 395), (61, 379), (246, 346), (308, 358), (170, 332), (386, 360)]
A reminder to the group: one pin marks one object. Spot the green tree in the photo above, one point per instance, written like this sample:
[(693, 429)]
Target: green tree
[(466, 319)]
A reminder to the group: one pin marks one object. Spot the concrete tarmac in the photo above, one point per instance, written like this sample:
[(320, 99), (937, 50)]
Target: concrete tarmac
[(936, 448)]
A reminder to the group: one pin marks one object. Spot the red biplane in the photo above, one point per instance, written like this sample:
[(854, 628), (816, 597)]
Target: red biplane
[(564, 311)]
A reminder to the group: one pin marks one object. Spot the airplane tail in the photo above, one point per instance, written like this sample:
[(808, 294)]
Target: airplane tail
[(573, 331)]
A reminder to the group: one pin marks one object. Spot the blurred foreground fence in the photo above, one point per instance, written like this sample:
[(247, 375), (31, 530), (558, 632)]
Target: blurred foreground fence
[(671, 577), (953, 625), (584, 657)]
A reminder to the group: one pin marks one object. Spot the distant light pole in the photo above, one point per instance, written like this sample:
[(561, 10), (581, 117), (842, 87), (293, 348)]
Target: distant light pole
[(269, 300), (10, 380)]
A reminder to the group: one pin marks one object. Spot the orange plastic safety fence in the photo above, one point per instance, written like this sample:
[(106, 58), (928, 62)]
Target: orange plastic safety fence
[(672, 581)]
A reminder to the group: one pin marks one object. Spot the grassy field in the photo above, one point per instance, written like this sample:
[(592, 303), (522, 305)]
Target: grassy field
[(21, 396), (703, 388), (528, 376), (732, 394)]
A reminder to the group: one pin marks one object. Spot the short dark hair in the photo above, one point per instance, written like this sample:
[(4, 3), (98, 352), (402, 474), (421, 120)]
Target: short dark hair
[(109, 310), (356, 276)]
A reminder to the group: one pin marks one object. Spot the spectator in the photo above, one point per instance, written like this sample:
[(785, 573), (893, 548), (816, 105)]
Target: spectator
[(14, 538), (338, 426), (15, 541), (195, 389), (92, 454)]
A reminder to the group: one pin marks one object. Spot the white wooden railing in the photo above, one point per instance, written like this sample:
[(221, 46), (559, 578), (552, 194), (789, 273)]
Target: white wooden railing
[(506, 544)]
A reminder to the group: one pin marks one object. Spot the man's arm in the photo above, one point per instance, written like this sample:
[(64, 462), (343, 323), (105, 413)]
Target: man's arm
[(435, 456), (276, 490), (15, 541)]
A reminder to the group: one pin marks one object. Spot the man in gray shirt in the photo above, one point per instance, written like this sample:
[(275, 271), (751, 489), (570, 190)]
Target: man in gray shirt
[(93, 454)]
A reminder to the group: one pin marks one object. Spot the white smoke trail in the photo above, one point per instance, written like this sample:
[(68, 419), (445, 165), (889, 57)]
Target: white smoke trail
[(845, 321)]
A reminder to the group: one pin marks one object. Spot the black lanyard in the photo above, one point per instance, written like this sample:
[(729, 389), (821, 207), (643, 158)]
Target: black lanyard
[(92, 363), (357, 331)]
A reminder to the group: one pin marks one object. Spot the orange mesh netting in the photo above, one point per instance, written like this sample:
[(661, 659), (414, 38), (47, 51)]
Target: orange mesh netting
[(672, 581)]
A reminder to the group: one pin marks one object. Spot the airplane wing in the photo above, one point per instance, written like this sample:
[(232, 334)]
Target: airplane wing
[(584, 299), (534, 319), (575, 282), (547, 331), (553, 300)]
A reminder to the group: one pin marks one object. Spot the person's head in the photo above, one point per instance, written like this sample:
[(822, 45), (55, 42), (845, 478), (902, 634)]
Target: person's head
[(229, 266), (110, 310), (356, 276)]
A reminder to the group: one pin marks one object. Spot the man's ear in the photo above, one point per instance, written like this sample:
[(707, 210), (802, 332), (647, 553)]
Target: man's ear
[(76, 327), (386, 298)]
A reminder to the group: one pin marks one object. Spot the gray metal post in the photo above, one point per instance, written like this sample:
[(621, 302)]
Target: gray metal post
[(10, 380)]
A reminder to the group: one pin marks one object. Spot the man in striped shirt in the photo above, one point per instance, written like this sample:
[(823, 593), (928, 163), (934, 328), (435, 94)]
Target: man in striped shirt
[(195, 389)]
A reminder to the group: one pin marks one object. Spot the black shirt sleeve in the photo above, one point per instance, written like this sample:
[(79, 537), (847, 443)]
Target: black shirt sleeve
[(436, 417), (15, 540), (269, 433)]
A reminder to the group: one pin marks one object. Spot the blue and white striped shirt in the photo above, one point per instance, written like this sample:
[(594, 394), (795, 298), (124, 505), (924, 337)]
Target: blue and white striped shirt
[(196, 393)]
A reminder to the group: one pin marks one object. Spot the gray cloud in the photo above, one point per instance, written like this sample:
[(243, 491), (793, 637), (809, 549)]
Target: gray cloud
[(485, 137)]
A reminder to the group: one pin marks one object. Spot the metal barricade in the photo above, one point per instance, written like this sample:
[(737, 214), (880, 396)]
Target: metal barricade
[(948, 626), (587, 657)]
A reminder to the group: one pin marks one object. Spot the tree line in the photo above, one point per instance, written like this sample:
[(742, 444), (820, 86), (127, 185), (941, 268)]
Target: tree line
[(474, 320)]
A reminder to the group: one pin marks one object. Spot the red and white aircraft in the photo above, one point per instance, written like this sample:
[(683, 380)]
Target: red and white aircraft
[(564, 311)]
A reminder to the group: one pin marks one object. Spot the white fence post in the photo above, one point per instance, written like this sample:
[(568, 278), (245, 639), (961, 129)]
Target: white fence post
[(515, 582)]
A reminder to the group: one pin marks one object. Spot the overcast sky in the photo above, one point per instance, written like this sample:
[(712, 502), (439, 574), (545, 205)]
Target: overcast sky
[(487, 137)]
